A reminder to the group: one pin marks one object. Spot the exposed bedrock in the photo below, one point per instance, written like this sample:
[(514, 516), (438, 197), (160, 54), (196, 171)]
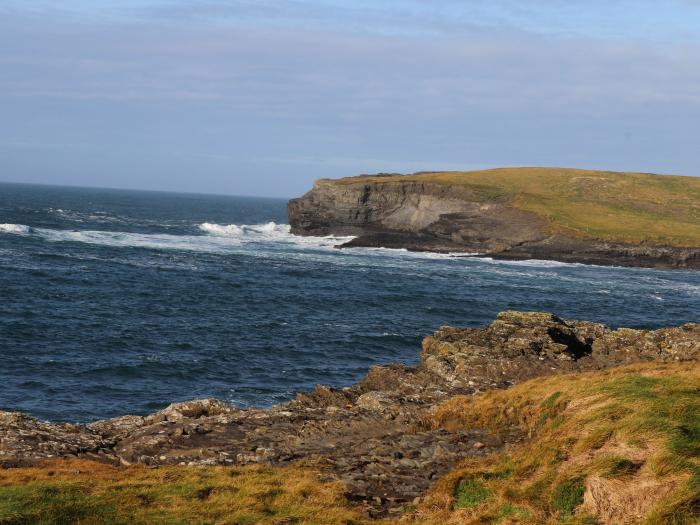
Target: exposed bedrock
[(369, 435), (424, 216)]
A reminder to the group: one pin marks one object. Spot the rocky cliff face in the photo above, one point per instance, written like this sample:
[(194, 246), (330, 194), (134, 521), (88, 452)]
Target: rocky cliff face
[(412, 214), (369, 435), (436, 217)]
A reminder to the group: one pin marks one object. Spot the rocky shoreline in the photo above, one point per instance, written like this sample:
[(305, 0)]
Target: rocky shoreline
[(425, 216), (372, 435)]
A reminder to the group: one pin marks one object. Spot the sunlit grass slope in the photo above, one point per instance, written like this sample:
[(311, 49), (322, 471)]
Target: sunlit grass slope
[(83, 492), (620, 446), (624, 207), (611, 447)]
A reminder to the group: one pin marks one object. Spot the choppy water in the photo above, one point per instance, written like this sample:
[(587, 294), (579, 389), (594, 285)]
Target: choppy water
[(115, 302)]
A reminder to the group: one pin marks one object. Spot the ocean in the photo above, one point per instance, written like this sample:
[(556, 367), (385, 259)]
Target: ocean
[(120, 302)]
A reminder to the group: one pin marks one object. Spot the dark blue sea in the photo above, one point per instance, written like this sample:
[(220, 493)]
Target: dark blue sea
[(120, 302)]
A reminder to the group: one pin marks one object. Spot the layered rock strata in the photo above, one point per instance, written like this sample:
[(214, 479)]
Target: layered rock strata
[(425, 216)]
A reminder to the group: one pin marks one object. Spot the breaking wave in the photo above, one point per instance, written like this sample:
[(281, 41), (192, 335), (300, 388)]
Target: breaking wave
[(216, 238), (228, 230), (269, 229), (229, 238), (14, 228)]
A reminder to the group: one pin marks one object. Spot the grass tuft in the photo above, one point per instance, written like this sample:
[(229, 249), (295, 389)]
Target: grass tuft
[(470, 493), (567, 496)]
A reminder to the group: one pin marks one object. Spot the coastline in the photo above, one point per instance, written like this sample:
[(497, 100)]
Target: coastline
[(378, 421), (512, 214), (574, 258)]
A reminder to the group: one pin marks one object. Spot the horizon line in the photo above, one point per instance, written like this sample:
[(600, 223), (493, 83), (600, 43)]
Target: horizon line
[(117, 188)]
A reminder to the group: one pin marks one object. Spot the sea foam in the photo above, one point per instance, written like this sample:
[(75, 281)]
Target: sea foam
[(269, 232), (14, 228), (268, 229), (212, 238), (228, 230)]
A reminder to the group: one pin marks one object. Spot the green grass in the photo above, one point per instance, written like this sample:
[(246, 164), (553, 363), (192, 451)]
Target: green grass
[(52, 504), (567, 496), (509, 510), (470, 493), (622, 207)]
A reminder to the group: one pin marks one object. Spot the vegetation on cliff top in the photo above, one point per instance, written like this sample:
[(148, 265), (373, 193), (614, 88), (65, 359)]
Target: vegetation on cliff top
[(612, 447), (617, 446), (622, 207)]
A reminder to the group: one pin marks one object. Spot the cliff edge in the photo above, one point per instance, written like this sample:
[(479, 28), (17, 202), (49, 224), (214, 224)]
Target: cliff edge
[(593, 217)]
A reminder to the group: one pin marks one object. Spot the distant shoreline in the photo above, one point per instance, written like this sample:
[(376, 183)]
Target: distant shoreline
[(564, 215)]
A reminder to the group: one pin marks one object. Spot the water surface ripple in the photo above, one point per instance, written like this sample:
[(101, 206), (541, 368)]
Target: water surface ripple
[(116, 302)]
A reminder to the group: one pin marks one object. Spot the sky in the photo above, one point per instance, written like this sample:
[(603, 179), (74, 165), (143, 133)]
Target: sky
[(262, 97)]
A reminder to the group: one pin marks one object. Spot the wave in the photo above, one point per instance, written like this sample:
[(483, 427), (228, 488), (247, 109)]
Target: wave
[(266, 232), (217, 238), (224, 237), (268, 229), (14, 228), (536, 263), (271, 237), (218, 229), (233, 238), (86, 216)]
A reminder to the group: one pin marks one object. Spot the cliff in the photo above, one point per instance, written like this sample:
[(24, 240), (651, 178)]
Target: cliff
[(628, 219)]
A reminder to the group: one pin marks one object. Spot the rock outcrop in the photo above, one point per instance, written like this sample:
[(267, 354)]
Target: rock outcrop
[(369, 435), (390, 212)]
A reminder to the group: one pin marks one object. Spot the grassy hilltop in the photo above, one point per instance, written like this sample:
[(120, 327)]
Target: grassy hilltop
[(609, 447), (622, 207)]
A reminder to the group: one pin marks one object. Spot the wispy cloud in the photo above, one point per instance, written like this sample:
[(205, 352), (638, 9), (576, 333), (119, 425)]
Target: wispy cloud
[(278, 72), (643, 19), (232, 88)]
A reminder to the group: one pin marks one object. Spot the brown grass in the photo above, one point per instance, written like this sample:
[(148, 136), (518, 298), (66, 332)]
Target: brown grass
[(613, 447), (84, 492)]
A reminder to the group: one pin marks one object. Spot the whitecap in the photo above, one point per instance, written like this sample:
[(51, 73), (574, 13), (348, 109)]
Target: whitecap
[(268, 229), (15, 228), (224, 239), (537, 263), (267, 232), (139, 240), (228, 230), (272, 228)]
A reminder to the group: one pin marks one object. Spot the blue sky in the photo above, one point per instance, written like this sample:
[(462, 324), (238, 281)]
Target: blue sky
[(261, 97)]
